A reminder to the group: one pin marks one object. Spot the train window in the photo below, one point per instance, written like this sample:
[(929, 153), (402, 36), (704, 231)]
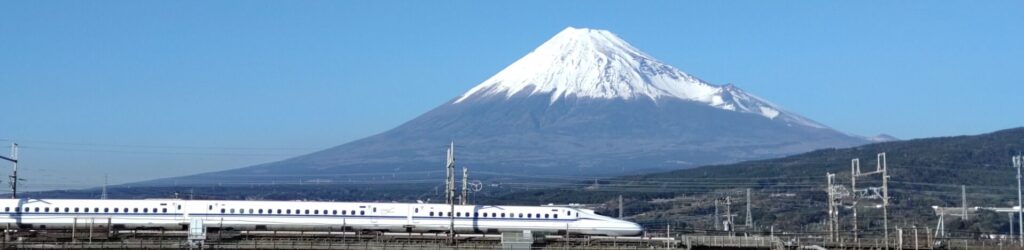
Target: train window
[(278, 211), (458, 214), (546, 216), (208, 208), (307, 211), (555, 216), (316, 211), (374, 210), (502, 215), (179, 207), (475, 214), (353, 212), (485, 215), (529, 215), (334, 212), (66, 209), (362, 212), (46, 210), (289, 211), (37, 210), (431, 213), (232, 210), (106, 210), (222, 210), (250, 211), (494, 215), (145, 210), (135, 210), (417, 210), (163, 210), (449, 214), (116, 210), (260, 211)]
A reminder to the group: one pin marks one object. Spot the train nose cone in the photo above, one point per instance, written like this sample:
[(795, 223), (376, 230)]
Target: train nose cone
[(632, 229)]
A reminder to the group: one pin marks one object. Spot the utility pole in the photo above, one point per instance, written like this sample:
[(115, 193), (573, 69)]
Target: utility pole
[(620, 206), (718, 219), (447, 175), (963, 202), (831, 206), (915, 237), (899, 244), (728, 214), (450, 167), (465, 188), (854, 170), (749, 223), (103, 196), (1018, 162), (14, 176), (885, 195)]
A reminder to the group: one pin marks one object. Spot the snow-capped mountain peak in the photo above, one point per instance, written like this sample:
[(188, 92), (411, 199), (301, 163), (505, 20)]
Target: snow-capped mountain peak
[(591, 63)]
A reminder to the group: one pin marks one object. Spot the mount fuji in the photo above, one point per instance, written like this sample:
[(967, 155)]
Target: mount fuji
[(584, 103)]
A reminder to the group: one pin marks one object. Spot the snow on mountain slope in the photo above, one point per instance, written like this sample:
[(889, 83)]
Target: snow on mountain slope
[(590, 63)]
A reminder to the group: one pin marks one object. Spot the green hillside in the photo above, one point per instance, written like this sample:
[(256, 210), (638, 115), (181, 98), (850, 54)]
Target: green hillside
[(789, 193)]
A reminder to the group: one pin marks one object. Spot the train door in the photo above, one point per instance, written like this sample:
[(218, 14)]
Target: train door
[(178, 209), (410, 210)]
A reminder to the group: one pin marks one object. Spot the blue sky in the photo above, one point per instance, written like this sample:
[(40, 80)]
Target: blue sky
[(146, 89)]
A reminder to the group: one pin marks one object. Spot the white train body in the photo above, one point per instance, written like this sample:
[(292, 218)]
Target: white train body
[(306, 215)]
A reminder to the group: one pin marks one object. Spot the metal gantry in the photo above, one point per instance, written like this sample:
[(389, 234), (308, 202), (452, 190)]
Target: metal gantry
[(878, 192)]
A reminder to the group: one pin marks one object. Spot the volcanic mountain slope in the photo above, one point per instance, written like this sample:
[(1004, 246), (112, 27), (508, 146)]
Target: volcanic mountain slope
[(583, 103)]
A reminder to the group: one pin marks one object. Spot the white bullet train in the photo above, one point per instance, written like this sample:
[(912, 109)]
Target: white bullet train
[(306, 215)]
